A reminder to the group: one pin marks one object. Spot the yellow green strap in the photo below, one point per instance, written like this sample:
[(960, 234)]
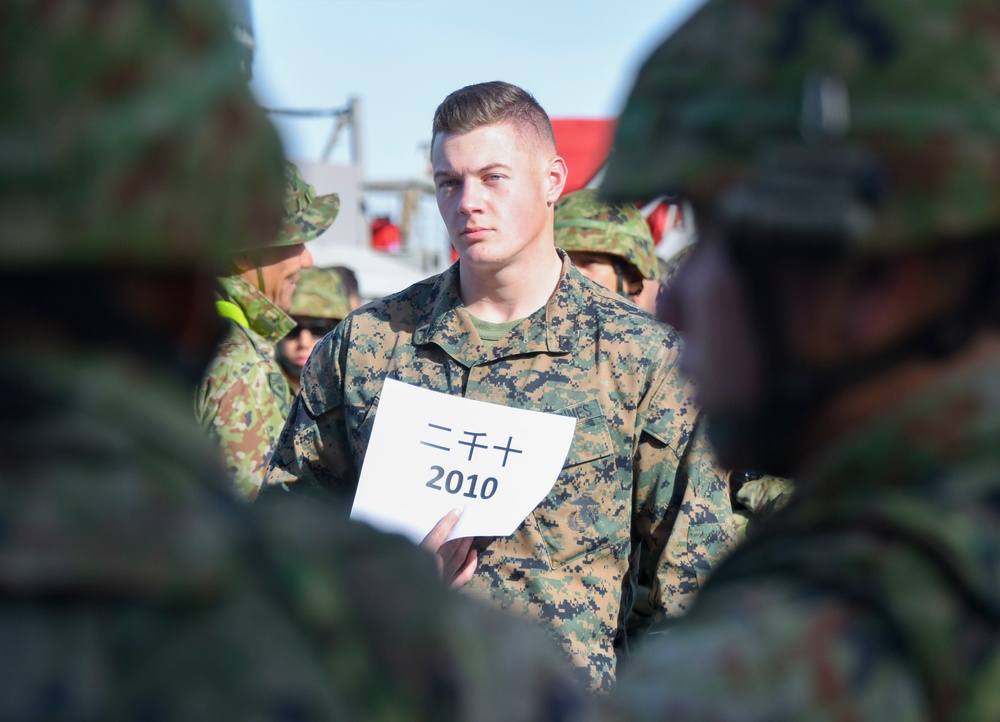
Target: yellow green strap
[(228, 309)]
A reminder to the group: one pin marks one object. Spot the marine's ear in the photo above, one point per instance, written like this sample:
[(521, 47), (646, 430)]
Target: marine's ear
[(556, 179)]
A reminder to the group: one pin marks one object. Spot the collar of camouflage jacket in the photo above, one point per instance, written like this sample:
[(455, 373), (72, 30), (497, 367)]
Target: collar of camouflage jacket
[(919, 447), (551, 329), (264, 317)]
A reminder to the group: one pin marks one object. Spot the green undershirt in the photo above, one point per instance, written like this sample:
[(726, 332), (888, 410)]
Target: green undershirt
[(490, 333)]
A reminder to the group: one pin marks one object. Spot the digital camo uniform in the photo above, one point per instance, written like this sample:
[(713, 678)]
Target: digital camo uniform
[(874, 594), (637, 476), (133, 585), (584, 222), (244, 398)]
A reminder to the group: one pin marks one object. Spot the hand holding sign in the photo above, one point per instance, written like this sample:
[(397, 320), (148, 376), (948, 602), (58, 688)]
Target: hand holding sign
[(430, 453), (456, 559)]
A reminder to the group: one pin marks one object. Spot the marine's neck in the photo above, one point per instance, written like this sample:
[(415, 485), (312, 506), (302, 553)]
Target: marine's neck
[(514, 291)]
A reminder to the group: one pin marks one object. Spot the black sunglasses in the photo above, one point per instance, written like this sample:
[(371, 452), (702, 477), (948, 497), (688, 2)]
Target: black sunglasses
[(317, 326)]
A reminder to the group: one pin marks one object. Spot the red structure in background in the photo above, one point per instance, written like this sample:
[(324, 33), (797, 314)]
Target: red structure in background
[(385, 235), (665, 217), (584, 144)]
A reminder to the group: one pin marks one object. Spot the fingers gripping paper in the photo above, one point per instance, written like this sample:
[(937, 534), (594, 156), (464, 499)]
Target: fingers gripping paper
[(430, 453)]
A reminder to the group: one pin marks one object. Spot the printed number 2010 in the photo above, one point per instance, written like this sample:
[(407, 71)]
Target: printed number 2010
[(455, 480)]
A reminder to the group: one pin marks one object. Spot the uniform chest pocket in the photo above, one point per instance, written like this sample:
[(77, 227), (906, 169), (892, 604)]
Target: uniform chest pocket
[(589, 507)]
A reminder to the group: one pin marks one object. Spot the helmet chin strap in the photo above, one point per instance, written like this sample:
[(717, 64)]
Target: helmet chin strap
[(260, 280), (620, 283)]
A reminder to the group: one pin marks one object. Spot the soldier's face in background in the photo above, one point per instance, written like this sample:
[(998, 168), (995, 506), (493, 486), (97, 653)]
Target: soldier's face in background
[(280, 266), (495, 190), (708, 303), (297, 345), (598, 267)]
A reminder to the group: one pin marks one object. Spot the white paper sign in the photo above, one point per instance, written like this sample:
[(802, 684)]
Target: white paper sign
[(430, 453)]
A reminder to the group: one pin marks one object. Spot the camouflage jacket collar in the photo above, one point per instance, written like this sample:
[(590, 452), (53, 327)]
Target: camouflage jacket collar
[(265, 318), (919, 446), (551, 329)]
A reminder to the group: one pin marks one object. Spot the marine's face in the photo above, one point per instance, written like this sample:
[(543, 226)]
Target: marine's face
[(495, 191), (708, 303)]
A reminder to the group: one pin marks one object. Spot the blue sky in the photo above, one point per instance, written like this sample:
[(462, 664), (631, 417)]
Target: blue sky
[(402, 57)]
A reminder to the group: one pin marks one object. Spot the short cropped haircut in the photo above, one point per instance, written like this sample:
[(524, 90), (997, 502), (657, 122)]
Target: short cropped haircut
[(349, 278), (475, 106)]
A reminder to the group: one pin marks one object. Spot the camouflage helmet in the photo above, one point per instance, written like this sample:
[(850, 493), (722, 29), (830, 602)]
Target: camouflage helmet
[(584, 222), (320, 293), (871, 126), (128, 136), (307, 215)]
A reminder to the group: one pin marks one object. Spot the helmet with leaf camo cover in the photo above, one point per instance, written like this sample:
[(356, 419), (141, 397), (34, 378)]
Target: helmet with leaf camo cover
[(320, 293), (584, 222), (307, 215), (128, 136), (868, 127)]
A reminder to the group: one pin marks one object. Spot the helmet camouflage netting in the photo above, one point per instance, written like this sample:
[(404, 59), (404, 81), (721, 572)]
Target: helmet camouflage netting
[(320, 293), (584, 222)]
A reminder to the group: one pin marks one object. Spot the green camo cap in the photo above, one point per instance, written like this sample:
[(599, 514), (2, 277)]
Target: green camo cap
[(320, 293), (307, 215), (128, 136), (584, 222), (874, 123)]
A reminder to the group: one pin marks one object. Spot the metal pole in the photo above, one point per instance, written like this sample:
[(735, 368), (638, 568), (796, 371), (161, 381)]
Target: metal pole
[(357, 157)]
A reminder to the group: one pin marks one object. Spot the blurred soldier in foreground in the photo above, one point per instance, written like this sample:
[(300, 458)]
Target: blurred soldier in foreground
[(319, 303), (755, 496), (133, 165), (610, 243), (841, 319), (244, 398), (514, 323)]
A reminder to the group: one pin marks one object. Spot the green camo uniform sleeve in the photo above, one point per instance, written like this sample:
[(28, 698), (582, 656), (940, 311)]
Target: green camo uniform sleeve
[(238, 405), (243, 398)]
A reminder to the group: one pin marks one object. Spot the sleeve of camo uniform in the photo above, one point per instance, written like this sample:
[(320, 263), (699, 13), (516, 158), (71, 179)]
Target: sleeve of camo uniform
[(236, 406), (313, 456), (684, 517)]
